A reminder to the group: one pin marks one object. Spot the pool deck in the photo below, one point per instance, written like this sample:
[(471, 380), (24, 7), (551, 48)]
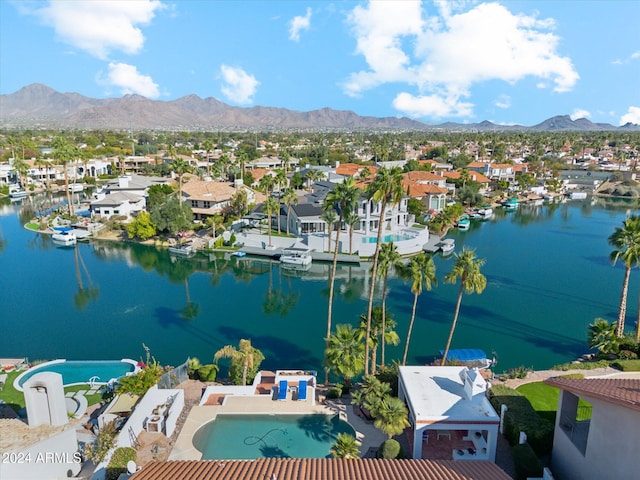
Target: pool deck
[(366, 433)]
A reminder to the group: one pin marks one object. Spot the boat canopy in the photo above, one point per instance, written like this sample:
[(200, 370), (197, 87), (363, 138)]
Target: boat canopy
[(466, 354)]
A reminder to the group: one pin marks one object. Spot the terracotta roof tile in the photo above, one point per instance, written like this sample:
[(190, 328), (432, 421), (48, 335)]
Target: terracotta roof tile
[(621, 391), (320, 468)]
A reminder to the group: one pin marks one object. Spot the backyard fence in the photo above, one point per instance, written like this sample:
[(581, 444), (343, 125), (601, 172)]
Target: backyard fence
[(174, 377)]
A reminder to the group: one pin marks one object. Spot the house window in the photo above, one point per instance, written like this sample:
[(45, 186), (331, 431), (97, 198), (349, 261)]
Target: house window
[(207, 204), (194, 203), (116, 212), (575, 420)]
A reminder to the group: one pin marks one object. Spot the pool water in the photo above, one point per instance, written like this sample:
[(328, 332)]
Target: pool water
[(395, 237), (77, 371), (263, 436)]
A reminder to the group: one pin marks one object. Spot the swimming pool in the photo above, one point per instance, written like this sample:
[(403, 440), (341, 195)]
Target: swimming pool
[(81, 371), (393, 237), (262, 436)]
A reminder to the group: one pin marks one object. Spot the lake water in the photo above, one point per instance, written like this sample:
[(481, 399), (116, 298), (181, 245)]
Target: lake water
[(548, 277)]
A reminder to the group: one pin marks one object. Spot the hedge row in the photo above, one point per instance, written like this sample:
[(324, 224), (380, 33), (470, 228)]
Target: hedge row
[(522, 417), (118, 463), (526, 462)]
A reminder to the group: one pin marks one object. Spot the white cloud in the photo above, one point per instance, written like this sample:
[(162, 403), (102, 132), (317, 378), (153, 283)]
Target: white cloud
[(445, 54), (129, 80), (632, 116), (635, 55), (239, 86), (580, 113), (431, 106), (299, 24), (100, 26), (503, 101)]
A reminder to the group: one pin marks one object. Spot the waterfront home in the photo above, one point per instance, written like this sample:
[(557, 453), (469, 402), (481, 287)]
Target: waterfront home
[(123, 204), (430, 188), (133, 183), (596, 429), (444, 402), (207, 197)]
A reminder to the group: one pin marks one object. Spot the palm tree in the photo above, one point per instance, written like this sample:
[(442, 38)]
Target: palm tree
[(180, 167), (329, 217), (246, 356), (65, 152), (346, 446), (267, 183), (289, 198), (626, 241), (389, 258), (466, 268), (386, 189), (382, 325), (345, 352), (602, 336), (341, 199), (352, 220), (208, 147), (391, 416), (270, 207), (421, 271)]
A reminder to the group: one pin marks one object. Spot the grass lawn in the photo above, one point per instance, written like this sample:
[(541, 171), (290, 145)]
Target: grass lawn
[(15, 398), (544, 398)]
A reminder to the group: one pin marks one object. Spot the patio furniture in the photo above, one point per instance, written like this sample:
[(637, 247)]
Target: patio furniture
[(282, 390), (302, 390)]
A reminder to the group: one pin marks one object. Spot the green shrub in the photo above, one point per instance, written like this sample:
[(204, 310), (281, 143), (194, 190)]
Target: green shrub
[(208, 372), (526, 462), (390, 449), (627, 355), (582, 365), (627, 365), (139, 383), (522, 417), (335, 392), (96, 452), (118, 463)]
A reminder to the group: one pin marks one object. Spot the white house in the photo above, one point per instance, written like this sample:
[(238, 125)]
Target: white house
[(445, 399), (596, 430), (118, 203)]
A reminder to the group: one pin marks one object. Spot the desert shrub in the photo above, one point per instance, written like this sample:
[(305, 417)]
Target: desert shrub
[(526, 462), (627, 365), (96, 452), (118, 463), (390, 449), (522, 417)]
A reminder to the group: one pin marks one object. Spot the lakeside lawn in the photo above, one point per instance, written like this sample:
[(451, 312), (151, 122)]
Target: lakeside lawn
[(15, 398)]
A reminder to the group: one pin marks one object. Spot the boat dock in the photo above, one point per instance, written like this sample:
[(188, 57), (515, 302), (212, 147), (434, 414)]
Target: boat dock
[(433, 245), (315, 256)]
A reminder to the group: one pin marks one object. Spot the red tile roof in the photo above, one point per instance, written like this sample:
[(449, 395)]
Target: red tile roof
[(621, 391), (320, 469)]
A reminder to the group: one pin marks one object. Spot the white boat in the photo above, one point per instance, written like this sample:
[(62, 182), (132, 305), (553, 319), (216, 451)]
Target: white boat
[(239, 254), (18, 193), (471, 357), (184, 249), (464, 222), (65, 237), (446, 245), (296, 256), (511, 204), (486, 211), (76, 187), (578, 195)]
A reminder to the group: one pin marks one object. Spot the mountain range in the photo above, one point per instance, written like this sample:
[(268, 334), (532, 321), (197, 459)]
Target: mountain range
[(38, 105)]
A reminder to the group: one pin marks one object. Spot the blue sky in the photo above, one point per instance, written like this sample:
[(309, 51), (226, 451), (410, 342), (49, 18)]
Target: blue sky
[(465, 61)]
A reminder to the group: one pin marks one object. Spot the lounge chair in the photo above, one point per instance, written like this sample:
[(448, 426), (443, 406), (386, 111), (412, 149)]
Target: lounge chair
[(302, 390), (282, 390)]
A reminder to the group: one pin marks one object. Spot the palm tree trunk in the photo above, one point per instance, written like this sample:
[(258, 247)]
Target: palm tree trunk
[(374, 272), (332, 281), (66, 186), (622, 311), (384, 321), (453, 325), (269, 227), (413, 317)]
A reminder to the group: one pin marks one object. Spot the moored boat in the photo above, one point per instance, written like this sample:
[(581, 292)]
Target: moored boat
[(471, 357), (64, 237), (510, 204), (464, 222), (18, 193), (76, 187), (446, 245), (185, 249), (296, 256), (486, 211)]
